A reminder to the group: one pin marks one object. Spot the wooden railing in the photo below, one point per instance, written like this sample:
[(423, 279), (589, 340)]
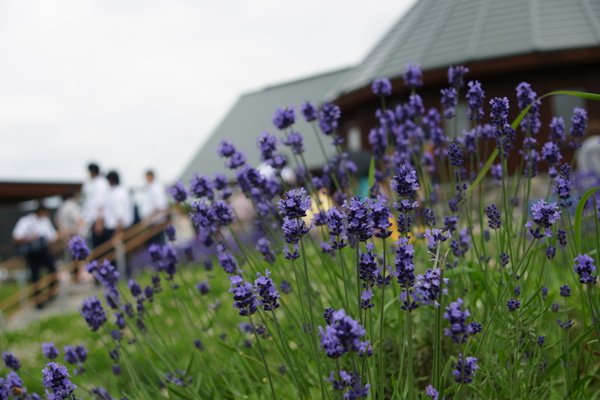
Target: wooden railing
[(40, 291)]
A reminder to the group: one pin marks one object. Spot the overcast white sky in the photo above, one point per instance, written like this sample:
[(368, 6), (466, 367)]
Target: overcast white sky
[(141, 83)]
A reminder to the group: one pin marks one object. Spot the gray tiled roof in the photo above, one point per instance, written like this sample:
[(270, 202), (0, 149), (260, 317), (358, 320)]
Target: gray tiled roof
[(439, 33), (252, 115)]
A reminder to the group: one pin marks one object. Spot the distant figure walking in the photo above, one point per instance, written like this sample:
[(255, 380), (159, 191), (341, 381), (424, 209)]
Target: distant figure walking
[(119, 207), (33, 234), (70, 222), (95, 193), (156, 204), (118, 217)]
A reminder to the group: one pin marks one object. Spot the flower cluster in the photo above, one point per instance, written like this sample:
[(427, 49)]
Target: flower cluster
[(341, 335)]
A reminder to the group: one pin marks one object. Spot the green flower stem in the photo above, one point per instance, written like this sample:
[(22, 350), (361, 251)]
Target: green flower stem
[(382, 325), (262, 355)]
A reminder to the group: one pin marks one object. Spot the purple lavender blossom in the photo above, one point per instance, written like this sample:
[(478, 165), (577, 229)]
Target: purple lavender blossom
[(78, 248), (431, 392), (413, 77), (329, 118), (284, 118), (295, 204), (449, 102), (293, 230), (267, 144), (203, 287), (584, 267), (244, 298), (465, 369), (565, 291), (557, 130), (201, 186), (382, 87), (295, 142), (341, 335), (309, 111), (264, 247), (93, 313), (226, 149), (544, 215), (499, 111), (455, 154), (526, 96), (71, 355), (493, 214), (367, 266), (171, 233), (456, 316), (461, 246), (366, 297), (106, 273), (202, 216), (57, 381), (49, 350), (551, 153), (134, 288), (429, 217), (550, 252), (381, 217), (336, 222), (405, 182), (456, 75), (513, 304), (226, 259), (13, 383), (178, 192), (11, 361), (435, 236), (475, 100), (405, 267), (222, 213), (269, 296), (237, 160), (350, 384), (360, 219), (428, 287), (578, 122)]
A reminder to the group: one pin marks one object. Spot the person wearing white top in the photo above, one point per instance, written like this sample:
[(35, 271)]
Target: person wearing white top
[(94, 205), (33, 233), (156, 202), (119, 208), (156, 207)]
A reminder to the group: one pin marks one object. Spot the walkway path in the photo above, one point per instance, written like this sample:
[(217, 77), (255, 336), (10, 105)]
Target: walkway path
[(69, 299)]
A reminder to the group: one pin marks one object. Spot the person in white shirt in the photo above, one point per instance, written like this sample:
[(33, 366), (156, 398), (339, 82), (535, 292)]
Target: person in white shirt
[(69, 218), (119, 208), (95, 193), (156, 202), (33, 234)]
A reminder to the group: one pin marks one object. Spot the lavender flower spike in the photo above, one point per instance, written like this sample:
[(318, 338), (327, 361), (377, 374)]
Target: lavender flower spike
[(78, 248), (56, 380), (244, 298)]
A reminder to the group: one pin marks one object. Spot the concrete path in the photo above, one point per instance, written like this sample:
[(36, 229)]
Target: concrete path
[(69, 300)]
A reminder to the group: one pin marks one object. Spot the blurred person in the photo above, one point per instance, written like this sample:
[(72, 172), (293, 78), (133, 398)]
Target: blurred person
[(95, 193), (118, 215), (33, 235), (156, 204), (70, 222), (69, 218)]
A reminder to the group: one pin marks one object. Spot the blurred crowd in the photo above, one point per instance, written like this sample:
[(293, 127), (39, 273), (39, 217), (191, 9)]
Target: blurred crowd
[(102, 212)]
